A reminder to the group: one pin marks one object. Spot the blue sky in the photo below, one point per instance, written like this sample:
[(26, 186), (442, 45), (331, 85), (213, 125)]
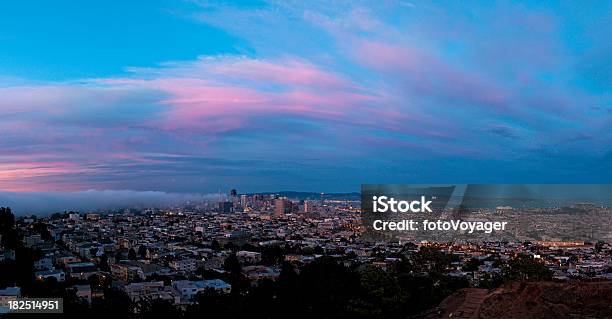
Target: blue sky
[(193, 96)]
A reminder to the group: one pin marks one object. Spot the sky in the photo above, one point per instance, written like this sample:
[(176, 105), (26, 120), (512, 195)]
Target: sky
[(200, 96)]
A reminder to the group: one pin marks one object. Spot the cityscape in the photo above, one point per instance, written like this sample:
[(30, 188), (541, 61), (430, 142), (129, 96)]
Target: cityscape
[(266, 255), (272, 159)]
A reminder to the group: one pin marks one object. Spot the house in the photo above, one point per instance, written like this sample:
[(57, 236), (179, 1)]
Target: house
[(141, 290), (9, 254), (85, 250), (185, 265), (44, 263), (248, 257), (258, 273), (188, 290), (81, 270), (127, 271), (32, 240), (61, 261), (9, 293), (216, 284), (215, 261), (59, 275)]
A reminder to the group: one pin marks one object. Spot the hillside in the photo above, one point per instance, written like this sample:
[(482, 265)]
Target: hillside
[(532, 300)]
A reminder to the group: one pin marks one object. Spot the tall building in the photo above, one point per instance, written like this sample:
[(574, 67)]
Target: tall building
[(233, 198), (226, 207), (282, 206), (243, 200), (310, 206)]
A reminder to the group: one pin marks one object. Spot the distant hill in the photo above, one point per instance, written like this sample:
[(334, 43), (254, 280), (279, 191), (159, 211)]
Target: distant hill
[(314, 195)]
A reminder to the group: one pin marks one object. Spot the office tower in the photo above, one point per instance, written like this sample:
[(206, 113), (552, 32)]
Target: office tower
[(309, 206), (243, 200), (282, 206), (226, 207)]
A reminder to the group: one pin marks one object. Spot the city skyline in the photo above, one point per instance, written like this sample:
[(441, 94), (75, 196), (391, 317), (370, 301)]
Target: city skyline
[(193, 96)]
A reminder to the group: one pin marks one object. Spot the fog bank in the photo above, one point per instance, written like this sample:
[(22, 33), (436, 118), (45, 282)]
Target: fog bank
[(44, 203)]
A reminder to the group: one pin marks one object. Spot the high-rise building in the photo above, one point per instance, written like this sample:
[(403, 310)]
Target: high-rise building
[(243, 200), (234, 198), (282, 206), (310, 206), (226, 207)]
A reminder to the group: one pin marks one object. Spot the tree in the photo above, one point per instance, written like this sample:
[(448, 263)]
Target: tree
[(9, 235), (319, 250), (7, 220), (158, 308), (211, 304), (381, 295), (142, 251), (116, 304), (132, 254), (325, 289), (524, 267), (99, 281), (214, 245), (272, 255), (230, 246), (472, 264), (232, 265), (42, 229), (24, 261), (118, 256), (10, 239), (599, 246), (235, 278), (93, 251), (56, 216)]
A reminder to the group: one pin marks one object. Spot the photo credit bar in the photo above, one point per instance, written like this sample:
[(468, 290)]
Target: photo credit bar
[(487, 212)]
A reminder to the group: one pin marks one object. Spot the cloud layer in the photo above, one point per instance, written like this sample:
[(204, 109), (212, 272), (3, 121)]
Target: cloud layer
[(328, 96)]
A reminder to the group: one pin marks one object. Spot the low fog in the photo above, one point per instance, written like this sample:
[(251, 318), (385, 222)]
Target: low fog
[(44, 203)]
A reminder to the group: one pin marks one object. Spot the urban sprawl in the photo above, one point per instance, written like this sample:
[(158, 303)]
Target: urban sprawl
[(180, 255)]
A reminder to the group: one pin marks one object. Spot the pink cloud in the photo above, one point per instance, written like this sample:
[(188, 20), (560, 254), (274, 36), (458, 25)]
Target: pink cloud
[(429, 75), (286, 72), (217, 95), (28, 176), (205, 98)]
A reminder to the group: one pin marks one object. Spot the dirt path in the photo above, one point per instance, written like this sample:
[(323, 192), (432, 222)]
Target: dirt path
[(471, 304)]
